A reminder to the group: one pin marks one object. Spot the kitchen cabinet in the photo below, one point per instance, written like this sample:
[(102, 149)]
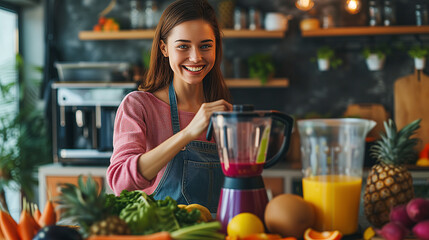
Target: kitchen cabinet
[(53, 187), (148, 34), (366, 31)]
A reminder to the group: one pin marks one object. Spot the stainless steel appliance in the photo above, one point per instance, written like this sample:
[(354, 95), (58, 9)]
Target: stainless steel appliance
[(83, 117)]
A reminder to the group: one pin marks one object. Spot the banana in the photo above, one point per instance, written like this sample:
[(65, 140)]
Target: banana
[(182, 206), (205, 213)]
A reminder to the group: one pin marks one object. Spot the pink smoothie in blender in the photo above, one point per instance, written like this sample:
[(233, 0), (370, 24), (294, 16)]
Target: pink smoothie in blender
[(242, 137)]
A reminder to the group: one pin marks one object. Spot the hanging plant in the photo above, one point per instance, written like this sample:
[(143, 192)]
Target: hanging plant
[(326, 58), (419, 54), (376, 56)]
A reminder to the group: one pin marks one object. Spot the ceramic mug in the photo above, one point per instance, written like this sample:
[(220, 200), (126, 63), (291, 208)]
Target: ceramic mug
[(275, 21)]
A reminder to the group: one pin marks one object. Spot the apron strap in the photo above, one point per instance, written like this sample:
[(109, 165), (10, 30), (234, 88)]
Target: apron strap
[(173, 109)]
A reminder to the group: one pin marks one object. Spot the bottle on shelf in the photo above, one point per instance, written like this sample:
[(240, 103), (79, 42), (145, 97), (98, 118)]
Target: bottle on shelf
[(151, 14), (136, 15), (389, 13), (422, 16), (374, 13), (240, 18)]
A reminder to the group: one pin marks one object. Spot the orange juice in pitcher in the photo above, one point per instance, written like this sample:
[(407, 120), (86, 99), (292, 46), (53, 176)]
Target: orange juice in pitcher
[(336, 201), (332, 154)]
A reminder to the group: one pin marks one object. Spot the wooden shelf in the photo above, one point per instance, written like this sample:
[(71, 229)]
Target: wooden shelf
[(230, 33), (148, 34), (256, 83), (361, 31)]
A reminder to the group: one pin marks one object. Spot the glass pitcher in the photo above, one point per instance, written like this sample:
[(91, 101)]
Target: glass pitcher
[(332, 154)]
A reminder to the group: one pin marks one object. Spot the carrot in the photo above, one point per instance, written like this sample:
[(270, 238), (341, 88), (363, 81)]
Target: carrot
[(25, 226), (2, 237), (153, 236), (36, 213), (48, 216), (8, 226)]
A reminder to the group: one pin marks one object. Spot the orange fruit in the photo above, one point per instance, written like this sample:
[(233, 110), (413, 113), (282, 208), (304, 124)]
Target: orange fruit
[(311, 234), (244, 224)]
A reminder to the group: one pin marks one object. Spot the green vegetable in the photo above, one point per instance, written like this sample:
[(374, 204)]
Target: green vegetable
[(145, 215), (199, 231)]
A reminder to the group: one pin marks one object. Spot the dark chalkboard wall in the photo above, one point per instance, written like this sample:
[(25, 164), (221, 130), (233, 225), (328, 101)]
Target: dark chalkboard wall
[(310, 91)]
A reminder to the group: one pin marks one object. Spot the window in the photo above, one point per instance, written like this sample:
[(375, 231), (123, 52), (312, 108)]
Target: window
[(9, 48)]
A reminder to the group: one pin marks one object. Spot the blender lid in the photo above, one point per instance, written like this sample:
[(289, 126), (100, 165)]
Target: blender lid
[(244, 110)]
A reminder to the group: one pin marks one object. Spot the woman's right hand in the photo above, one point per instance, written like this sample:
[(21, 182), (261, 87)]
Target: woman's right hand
[(201, 120)]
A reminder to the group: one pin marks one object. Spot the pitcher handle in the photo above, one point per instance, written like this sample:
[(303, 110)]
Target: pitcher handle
[(288, 122)]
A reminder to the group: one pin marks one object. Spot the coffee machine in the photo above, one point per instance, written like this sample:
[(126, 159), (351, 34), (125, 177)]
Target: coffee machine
[(243, 138), (83, 115)]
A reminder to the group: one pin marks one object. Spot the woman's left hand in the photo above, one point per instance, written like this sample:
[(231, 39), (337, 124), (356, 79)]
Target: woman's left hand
[(202, 118)]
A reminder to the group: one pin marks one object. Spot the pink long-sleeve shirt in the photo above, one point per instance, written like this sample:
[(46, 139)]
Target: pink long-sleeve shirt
[(142, 123)]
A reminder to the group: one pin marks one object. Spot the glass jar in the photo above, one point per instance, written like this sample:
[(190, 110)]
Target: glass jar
[(374, 13)]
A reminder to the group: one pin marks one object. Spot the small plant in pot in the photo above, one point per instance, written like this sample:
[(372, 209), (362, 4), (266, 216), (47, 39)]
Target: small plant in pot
[(326, 58), (261, 66), (375, 57), (419, 54)]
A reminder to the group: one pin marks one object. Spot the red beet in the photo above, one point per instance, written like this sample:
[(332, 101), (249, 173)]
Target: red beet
[(393, 231), (418, 209), (421, 230), (399, 214)]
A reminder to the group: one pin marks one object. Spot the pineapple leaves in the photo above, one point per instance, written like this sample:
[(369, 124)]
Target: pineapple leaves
[(396, 147), (83, 204)]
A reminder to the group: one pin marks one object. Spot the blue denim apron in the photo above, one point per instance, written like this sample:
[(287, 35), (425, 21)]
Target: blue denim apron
[(194, 175)]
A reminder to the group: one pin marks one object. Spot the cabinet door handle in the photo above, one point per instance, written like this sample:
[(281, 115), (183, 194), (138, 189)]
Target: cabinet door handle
[(98, 116), (62, 116)]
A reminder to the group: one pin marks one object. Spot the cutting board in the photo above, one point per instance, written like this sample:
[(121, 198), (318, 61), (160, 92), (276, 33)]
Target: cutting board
[(411, 95), (371, 111)]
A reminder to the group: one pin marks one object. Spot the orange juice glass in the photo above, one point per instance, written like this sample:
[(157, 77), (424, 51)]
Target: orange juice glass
[(332, 154)]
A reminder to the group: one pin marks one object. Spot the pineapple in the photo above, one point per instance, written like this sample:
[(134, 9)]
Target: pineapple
[(84, 205), (389, 183)]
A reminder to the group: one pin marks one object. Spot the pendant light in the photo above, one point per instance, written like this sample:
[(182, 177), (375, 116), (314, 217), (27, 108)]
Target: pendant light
[(304, 5), (353, 6)]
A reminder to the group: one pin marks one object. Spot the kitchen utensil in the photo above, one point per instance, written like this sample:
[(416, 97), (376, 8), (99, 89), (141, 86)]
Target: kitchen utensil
[(332, 154), (411, 102), (243, 139)]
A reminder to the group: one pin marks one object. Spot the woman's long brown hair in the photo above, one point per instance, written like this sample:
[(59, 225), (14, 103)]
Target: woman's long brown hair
[(160, 73)]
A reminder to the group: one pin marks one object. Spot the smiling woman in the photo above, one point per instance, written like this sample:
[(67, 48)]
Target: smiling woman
[(159, 133)]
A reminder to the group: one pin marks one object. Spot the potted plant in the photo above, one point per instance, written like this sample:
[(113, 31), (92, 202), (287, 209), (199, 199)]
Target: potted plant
[(326, 58), (261, 66), (375, 57), (419, 54), (24, 142)]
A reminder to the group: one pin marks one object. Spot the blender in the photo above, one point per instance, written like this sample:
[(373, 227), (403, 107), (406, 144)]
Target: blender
[(243, 137)]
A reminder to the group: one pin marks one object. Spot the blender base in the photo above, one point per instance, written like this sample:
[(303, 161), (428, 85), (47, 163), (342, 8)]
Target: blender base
[(234, 201)]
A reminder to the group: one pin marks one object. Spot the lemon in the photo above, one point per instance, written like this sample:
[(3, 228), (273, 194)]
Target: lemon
[(244, 224)]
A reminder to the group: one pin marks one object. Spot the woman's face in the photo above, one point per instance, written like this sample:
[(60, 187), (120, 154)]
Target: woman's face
[(191, 49)]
